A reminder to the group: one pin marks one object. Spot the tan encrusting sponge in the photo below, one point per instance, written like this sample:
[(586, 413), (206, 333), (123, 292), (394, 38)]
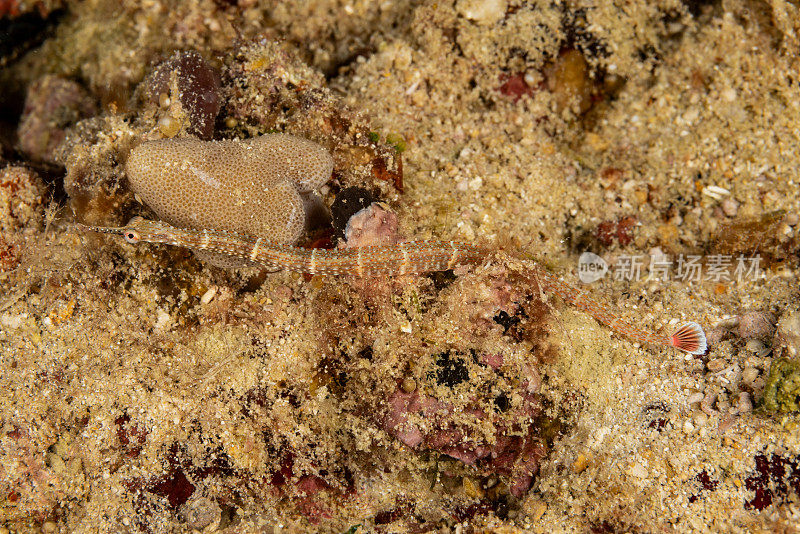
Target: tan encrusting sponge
[(251, 187)]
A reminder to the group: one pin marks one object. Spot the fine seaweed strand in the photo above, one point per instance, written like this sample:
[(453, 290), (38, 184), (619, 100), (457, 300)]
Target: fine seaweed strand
[(410, 257)]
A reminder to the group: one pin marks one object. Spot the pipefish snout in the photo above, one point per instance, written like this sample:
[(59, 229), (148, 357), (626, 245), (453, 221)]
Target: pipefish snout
[(410, 257)]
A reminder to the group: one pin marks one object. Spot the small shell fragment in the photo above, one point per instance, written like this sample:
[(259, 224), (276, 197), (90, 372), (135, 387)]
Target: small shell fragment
[(749, 375), (208, 295), (163, 320), (755, 346), (695, 398), (715, 192), (729, 207), (409, 384)]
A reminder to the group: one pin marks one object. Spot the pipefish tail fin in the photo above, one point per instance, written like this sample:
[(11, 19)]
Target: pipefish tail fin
[(689, 337)]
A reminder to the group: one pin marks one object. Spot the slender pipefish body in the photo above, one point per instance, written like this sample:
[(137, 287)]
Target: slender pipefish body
[(406, 258)]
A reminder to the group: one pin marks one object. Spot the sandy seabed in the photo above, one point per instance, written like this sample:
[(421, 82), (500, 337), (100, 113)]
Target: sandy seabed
[(144, 390)]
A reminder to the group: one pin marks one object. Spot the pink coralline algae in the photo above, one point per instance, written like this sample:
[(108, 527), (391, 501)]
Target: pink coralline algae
[(374, 225), (514, 451)]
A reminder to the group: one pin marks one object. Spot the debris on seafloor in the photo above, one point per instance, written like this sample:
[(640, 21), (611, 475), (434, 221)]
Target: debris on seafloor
[(767, 236), (752, 325)]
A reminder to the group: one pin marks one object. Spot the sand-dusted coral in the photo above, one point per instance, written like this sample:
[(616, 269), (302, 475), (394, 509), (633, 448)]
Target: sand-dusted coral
[(22, 203), (510, 448), (252, 187), (93, 153), (267, 88), (51, 105)]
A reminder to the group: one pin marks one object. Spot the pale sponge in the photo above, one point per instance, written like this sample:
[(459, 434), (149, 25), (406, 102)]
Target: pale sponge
[(252, 187)]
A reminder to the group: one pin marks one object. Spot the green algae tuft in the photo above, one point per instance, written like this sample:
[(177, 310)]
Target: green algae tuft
[(782, 392)]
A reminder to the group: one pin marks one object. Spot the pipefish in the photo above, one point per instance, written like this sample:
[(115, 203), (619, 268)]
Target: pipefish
[(406, 258)]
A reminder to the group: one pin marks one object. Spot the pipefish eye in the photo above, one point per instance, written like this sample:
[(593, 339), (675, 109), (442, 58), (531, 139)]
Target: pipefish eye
[(131, 236)]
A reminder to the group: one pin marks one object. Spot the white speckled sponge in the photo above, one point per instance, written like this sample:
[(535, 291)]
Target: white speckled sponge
[(251, 187)]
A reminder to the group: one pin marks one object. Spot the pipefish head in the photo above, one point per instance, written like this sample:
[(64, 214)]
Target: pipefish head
[(138, 229)]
